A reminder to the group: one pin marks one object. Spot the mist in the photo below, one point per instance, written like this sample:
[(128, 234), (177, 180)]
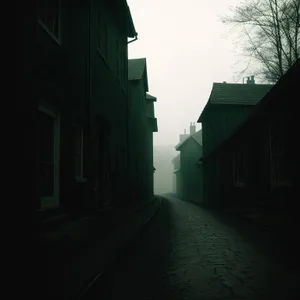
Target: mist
[(163, 176)]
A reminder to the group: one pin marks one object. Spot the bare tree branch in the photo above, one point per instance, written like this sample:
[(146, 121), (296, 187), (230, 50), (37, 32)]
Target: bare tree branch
[(271, 31)]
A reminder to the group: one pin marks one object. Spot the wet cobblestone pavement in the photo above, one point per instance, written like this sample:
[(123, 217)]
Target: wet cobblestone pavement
[(188, 253)]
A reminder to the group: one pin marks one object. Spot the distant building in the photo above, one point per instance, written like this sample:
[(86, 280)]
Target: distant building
[(164, 168), (188, 173), (176, 179), (142, 124)]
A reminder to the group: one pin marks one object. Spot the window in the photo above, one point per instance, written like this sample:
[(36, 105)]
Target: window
[(117, 159), (225, 122), (48, 158), (102, 39), (78, 151), (280, 162), (238, 169), (129, 99), (118, 62), (125, 67), (49, 15)]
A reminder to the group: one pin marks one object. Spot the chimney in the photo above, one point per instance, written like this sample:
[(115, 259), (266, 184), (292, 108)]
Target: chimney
[(250, 80), (192, 128), (182, 137)]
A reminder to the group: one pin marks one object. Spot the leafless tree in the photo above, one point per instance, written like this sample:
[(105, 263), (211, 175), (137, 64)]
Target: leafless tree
[(271, 29)]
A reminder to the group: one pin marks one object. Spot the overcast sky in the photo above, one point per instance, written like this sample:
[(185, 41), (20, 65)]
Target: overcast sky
[(187, 49)]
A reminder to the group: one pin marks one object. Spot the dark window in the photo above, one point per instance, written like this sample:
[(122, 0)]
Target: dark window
[(238, 169), (78, 151), (45, 132), (129, 100), (281, 166), (118, 60)]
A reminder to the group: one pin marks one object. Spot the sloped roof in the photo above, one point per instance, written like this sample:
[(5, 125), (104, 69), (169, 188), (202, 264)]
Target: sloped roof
[(197, 136), (150, 97), (291, 77), (136, 68), (237, 93), (286, 82), (131, 32)]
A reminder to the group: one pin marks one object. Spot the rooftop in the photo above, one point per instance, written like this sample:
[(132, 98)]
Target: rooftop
[(136, 68), (237, 93)]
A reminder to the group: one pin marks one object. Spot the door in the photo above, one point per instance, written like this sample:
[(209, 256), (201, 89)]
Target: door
[(102, 184), (48, 158)]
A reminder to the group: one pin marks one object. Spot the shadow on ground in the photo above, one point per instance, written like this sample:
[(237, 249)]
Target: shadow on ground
[(139, 273)]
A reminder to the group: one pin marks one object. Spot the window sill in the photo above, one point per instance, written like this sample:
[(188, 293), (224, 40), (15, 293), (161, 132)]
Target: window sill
[(46, 218), (81, 179), (283, 184), (239, 184)]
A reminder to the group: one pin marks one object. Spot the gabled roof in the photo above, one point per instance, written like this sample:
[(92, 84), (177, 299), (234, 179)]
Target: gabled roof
[(150, 97), (236, 94), (137, 70), (131, 32), (291, 77), (122, 13), (286, 82), (197, 136)]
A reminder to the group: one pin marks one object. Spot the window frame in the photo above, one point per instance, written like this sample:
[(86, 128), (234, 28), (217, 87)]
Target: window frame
[(80, 174), (238, 168), (53, 201)]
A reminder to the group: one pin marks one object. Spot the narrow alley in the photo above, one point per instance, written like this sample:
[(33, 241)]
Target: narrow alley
[(187, 252)]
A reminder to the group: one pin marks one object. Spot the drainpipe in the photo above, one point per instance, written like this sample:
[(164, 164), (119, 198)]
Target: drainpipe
[(127, 132), (88, 110), (88, 87)]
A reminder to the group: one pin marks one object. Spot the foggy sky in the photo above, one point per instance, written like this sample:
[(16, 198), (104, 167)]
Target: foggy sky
[(187, 49)]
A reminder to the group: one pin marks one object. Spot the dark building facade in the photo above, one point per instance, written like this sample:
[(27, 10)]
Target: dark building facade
[(189, 173), (76, 129), (176, 180), (150, 112), (76, 75), (142, 124), (228, 106), (259, 159)]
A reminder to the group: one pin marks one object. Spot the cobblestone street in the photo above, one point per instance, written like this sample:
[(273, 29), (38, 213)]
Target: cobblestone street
[(189, 253)]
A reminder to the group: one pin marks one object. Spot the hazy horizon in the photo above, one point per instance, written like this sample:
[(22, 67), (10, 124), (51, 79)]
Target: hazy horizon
[(187, 49)]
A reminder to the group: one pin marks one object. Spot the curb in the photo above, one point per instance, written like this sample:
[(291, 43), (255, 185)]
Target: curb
[(119, 254)]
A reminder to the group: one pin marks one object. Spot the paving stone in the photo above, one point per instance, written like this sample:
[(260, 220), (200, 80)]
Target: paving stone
[(188, 253)]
